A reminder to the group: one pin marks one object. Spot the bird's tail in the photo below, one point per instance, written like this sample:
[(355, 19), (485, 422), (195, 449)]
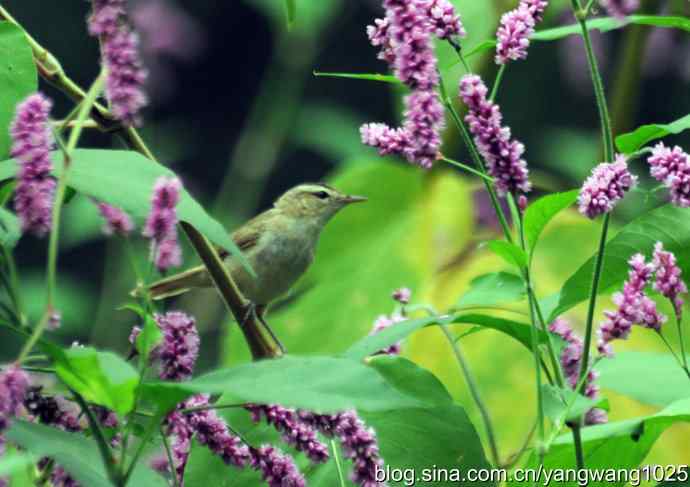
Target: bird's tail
[(177, 284)]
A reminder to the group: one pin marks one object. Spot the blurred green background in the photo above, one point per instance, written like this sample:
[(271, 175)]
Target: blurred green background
[(242, 119)]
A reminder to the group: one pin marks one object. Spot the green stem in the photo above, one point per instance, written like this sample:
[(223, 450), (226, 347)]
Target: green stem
[(670, 349), (13, 288), (599, 92), (211, 406), (497, 82), (103, 447), (467, 168), (596, 278), (607, 136), (579, 450), (338, 465), (168, 453), (144, 441), (681, 339), (474, 391)]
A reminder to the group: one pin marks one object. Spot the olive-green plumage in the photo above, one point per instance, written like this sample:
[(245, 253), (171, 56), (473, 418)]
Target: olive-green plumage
[(279, 244)]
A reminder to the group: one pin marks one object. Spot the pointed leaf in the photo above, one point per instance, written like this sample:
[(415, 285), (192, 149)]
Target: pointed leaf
[(633, 141), (323, 384), (557, 400), (102, 174), (542, 211), (386, 337), (361, 76), (494, 288), (10, 231), (509, 252)]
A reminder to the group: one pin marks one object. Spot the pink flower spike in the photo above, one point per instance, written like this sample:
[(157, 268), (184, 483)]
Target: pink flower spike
[(669, 281), (32, 141), (116, 221), (161, 223), (604, 189)]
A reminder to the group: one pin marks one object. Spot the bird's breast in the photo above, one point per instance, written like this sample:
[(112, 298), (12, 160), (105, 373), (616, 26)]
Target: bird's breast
[(278, 261)]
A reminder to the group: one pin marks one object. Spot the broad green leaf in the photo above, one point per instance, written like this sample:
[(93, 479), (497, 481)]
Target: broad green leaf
[(604, 24), (78, 455), (667, 224), (509, 252), (386, 337), (633, 141), (439, 437), (148, 339), (18, 78), (10, 230), (385, 78), (102, 174), (290, 12), (494, 288), (321, 384), (557, 400), (542, 211), (636, 374), (620, 444), (518, 331), (100, 377)]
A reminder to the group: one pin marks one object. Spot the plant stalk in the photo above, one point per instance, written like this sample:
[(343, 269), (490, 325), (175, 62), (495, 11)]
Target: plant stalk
[(474, 391)]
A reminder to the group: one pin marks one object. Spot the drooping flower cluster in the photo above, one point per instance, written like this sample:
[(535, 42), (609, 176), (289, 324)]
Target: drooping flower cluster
[(126, 74), (515, 30), (404, 37), (117, 222), (358, 442), (634, 306), (502, 153), (32, 141), (668, 277), (672, 167), (620, 8), (180, 346), (161, 223), (571, 361), (294, 432), (607, 185), (277, 469)]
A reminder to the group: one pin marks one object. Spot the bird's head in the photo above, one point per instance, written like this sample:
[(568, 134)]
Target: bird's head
[(315, 200)]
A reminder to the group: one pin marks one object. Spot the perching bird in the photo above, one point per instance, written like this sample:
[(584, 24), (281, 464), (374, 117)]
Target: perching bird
[(279, 244)]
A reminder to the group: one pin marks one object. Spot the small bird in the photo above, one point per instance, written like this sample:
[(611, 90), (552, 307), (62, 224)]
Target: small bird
[(279, 244)]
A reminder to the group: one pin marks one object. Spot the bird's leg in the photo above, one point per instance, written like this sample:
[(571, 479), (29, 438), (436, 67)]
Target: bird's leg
[(260, 312)]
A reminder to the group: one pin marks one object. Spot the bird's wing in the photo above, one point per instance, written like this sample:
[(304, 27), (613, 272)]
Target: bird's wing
[(248, 234)]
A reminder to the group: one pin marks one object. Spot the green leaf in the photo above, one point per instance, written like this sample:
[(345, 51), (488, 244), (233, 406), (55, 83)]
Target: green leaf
[(542, 211), (10, 231), (509, 252), (362, 76), (620, 444), (666, 224), (556, 401), (604, 24), (386, 337), (322, 384), (148, 339), (290, 12), (78, 455), (519, 331), (494, 288), (636, 374), (18, 78), (102, 174), (100, 377), (438, 437), (633, 141)]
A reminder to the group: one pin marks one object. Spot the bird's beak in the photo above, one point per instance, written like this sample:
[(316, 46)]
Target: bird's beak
[(354, 199)]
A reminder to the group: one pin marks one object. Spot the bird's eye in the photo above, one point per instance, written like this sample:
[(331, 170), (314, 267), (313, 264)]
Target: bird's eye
[(321, 195)]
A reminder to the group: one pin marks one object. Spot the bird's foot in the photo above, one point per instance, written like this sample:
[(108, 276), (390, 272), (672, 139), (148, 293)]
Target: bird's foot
[(252, 311)]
